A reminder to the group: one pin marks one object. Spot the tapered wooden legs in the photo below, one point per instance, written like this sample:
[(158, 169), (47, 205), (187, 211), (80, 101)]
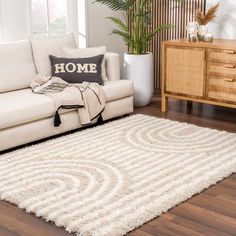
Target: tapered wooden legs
[(164, 103)]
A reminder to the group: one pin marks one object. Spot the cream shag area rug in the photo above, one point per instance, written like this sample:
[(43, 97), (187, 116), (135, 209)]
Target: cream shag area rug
[(110, 179)]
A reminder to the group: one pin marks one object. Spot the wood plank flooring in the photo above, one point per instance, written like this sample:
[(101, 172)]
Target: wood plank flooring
[(211, 213)]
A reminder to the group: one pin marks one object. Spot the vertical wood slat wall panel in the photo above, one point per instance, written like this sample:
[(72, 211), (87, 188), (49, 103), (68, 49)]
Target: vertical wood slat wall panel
[(175, 12)]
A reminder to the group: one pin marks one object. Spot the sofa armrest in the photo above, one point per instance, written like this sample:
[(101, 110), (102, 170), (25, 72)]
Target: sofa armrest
[(112, 65)]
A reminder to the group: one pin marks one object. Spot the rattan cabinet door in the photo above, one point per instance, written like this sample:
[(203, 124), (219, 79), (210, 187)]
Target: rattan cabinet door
[(185, 71)]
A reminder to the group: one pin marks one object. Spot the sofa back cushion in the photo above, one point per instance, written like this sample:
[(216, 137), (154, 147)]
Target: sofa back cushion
[(16, 66), (42, 48)]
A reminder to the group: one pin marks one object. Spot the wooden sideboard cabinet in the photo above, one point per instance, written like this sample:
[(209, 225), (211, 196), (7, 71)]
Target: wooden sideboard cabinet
[(199, 72)]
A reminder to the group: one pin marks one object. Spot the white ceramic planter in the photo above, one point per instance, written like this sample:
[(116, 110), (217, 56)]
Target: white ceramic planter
[(139, 69)]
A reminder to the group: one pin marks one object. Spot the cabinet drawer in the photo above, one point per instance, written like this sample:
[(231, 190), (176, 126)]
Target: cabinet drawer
[(225, 56), (222, 69), (222, 89)]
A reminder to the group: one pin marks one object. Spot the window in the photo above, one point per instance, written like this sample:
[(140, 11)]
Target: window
[(49, 18), (53, 18)]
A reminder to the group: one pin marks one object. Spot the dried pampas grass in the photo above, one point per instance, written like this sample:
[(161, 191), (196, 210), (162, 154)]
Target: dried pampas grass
[(203, 19)]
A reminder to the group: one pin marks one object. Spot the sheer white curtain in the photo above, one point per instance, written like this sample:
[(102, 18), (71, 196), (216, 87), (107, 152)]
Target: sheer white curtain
[(42, 18), (13, 20)]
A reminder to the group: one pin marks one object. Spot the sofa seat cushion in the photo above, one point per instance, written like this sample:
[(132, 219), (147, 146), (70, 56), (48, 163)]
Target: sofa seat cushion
[(118, 89), (23, 106)]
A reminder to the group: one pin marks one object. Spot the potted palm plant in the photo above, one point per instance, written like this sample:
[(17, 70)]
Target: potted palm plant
[(134, 28)]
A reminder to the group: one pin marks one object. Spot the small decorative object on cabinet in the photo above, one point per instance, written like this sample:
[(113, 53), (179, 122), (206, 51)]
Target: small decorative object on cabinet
[(199, 72), (203, 19), (208, 37), (192, 30)]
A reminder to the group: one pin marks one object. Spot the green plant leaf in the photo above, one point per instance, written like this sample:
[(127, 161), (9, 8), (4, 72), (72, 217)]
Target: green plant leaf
[(115, 5), (119, 23), (136, 35), (126, 37), (150, 35)]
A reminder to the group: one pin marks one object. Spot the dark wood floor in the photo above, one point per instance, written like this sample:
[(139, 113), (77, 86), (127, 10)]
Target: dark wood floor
[(211, 213)]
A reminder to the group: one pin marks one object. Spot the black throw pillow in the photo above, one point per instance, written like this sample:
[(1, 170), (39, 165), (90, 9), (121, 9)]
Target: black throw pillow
[(78, 70)]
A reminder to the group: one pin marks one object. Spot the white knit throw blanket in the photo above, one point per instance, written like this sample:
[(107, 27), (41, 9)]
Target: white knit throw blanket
[(88, 98)]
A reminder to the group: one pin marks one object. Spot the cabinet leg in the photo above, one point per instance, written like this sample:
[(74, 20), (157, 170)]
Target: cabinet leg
[(189, 105), (164, 104)]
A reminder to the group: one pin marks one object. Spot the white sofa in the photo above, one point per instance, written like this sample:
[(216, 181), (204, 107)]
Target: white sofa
[(26, 117)]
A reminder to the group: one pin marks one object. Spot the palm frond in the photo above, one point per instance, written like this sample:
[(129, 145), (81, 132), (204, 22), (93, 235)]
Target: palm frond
[(119, 23), (146, 17), (126, 37), (150, 35), (115, 5)]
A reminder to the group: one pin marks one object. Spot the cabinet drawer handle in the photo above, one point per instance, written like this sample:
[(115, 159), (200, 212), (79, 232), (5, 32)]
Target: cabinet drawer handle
[(229, 80), (230, 66), (229, 51)]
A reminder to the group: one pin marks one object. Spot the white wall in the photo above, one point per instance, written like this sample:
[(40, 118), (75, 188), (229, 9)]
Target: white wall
[(14, 22), (225, 25), (99, 28)]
